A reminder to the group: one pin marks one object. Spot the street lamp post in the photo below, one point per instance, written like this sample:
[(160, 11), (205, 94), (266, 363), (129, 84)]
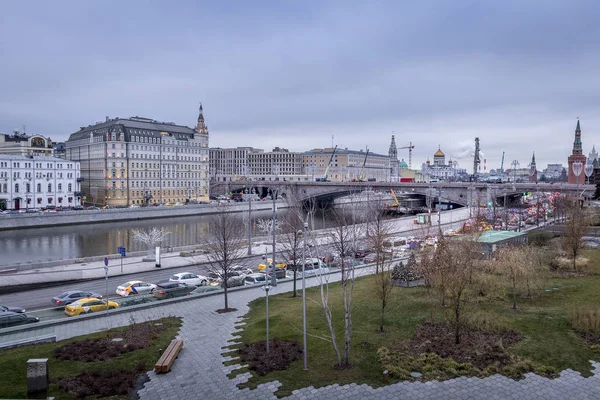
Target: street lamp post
[(250, 226), (266, 288), (273, 225), (305, 349), (106, 279)]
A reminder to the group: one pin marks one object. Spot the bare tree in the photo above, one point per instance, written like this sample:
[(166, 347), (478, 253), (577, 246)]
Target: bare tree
[(459, 281), (383, 287), (520, 266), (378, 232), (150, 237), (224, 244), (575, 227), (292, 242)]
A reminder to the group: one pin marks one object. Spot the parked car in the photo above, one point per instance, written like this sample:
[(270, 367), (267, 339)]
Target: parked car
[(255, 279), (205, 289), (167, 290), (135, 300), (14, 309), (241, 269), (89, 305), (278, 264), (69, 297), (135, 287), (9, 318), (189, 279), (279, 273), (313, 267), (360, 253)]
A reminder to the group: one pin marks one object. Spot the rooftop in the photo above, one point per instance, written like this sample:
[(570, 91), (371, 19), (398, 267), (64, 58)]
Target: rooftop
[(498, 236)]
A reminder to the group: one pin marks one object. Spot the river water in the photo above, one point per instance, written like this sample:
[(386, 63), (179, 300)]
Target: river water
[(66, 242)]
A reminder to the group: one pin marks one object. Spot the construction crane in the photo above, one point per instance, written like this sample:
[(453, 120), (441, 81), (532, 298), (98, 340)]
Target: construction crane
[(361, 178), (324, 178), (502, 168), (410, 147), (396, 203)]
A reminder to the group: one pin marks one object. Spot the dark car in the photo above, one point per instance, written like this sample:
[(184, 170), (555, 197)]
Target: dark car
[(360, 253), (73, 295), (168, 290), (9, 318), (279, 272), (14, 309)]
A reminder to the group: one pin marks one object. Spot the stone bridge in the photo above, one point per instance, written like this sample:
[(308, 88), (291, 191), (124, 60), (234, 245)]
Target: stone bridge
[(455, 192)]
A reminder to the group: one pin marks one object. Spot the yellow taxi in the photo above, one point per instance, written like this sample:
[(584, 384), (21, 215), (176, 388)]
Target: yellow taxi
[(278, 264), (88, 305)]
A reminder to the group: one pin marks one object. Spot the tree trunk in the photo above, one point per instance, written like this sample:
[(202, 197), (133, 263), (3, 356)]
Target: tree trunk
[(295, 275), (457, 326), (225, 295), (382, 312), (514, 307)]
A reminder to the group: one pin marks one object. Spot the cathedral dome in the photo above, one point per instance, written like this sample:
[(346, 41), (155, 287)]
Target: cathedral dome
[(439, 153), (403, 164)]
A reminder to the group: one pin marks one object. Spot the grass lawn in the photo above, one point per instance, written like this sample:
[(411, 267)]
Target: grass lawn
[(542, 320), (13, 362)]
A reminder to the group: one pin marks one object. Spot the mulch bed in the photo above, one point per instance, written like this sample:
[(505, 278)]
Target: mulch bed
[(281, 354), (138, 336), (100, 383), (479, 348), (592, 339)]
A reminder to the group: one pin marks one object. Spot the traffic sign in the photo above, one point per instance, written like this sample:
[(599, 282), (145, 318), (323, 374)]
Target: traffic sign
[(122, 251), (106, 261)]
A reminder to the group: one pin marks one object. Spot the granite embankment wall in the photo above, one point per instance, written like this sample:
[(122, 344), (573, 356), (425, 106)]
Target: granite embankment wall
[(39, 220)]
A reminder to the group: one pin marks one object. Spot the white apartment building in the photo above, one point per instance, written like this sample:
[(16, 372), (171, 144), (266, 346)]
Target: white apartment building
[(229, 162), (28, 182), (142, 161)]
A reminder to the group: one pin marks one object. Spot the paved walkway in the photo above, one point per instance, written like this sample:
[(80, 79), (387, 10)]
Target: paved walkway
[(199, 371)]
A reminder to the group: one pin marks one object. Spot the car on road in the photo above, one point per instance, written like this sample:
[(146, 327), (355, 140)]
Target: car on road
[(135, 287), (360, 253), (255, 279), (279, 264), (14, 309), (168, 290), (189, 279), (10, 318), (71, 296), (313, 267), (88, 305), (205, 289), (279, 273)]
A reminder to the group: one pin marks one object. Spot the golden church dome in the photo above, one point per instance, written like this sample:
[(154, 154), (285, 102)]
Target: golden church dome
[(439, 153)]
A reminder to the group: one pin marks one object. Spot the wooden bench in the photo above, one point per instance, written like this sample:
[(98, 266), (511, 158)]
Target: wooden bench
[(163, 365)]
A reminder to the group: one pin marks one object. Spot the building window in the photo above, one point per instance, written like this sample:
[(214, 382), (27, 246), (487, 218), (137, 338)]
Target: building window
[(27, 188), (60, 187), (70, 187), (39, 187), (16, 188), (49, 187)]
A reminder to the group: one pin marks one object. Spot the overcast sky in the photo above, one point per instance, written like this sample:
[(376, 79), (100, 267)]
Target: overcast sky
[(515, 73)]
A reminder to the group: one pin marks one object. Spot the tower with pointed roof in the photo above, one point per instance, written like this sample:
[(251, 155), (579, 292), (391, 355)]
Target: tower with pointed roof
[(577, 156), (593, 156), (393, 155), (533, 170), (201, 125)]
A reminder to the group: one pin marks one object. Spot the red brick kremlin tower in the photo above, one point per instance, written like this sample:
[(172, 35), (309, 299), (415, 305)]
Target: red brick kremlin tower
[(577, 156)]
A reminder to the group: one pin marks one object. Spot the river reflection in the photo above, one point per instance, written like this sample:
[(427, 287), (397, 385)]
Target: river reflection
[(66, 242)]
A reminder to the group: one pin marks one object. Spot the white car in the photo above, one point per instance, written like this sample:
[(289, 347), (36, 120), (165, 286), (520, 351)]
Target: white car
[(135, 287), (189, 279), (255, 279)]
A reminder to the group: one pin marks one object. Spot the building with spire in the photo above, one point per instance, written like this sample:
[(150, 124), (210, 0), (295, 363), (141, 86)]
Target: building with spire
[(394, 164), (141, 161), (593, 157), (533, 178), (576, 174)]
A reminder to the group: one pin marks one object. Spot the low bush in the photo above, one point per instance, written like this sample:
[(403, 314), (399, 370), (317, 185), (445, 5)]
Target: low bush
[(281, 354)]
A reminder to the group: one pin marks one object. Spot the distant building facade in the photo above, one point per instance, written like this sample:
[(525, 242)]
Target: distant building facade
[(139, 160), (36, 181), (347, 165), (578, 159), (23, 144)]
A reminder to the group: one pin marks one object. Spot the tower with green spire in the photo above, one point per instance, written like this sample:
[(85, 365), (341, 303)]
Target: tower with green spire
[(577, 156)]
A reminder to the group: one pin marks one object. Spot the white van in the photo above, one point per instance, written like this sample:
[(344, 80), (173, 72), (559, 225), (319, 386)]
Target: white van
[(313, 267)]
